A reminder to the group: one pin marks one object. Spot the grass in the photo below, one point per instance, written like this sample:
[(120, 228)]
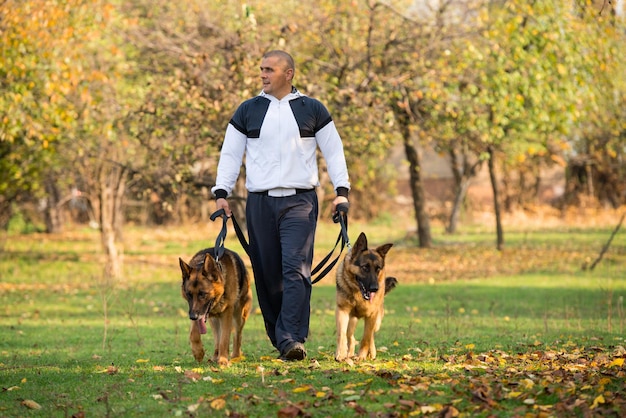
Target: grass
[(470, 331)]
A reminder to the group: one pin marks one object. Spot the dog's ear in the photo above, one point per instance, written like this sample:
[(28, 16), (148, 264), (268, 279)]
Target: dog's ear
[(209, 266), (184, 267), (360, 244), (384, 249)]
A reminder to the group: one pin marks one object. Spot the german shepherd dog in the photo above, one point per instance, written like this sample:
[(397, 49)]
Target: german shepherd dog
[(361, 289), (217, 291)]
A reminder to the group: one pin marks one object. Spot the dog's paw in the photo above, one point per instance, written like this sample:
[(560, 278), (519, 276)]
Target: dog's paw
[(346, 360), (222, 361), (366, 355), (198, 354)]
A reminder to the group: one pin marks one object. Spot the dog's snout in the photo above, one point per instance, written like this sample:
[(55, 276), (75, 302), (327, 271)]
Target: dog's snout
[(193, 316)]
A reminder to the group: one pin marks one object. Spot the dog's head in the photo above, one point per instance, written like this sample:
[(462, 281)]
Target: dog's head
[(202, 288), (368, 266)]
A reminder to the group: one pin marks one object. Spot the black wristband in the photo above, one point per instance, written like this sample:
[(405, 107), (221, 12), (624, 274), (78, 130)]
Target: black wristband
[(220, 194), (342, 191)]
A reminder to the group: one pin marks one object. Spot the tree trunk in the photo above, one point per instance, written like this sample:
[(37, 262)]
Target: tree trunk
[(459, 198), (463, 174), (496, 199), (53, 211), (112, 185), (417, 189)]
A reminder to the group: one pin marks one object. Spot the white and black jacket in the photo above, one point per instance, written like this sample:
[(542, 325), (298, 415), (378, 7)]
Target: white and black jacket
[(279, 139)]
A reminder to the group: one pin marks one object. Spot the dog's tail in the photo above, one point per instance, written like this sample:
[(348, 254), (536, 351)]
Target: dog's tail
[(390, 283)]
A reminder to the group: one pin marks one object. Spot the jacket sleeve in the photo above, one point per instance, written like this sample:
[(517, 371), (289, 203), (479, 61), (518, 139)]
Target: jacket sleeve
[(330, 144), (231, 158)]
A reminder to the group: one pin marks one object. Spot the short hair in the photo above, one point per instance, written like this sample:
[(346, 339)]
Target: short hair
[(284, 56)]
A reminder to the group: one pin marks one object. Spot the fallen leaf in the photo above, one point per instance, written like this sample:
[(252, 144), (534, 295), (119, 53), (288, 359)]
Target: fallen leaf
[(289, 411), (597, 401), (449, 412), (30, 404), (303, 388), (218, 404), (189, 374)]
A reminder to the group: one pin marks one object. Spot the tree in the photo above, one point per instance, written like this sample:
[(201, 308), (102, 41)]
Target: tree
[(41, 42), (513, 96)]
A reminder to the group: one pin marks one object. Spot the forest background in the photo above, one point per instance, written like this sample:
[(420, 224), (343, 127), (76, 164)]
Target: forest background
[(113, 112)]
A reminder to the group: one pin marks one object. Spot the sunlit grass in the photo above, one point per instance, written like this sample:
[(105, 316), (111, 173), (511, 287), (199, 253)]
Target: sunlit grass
[(464, 316)]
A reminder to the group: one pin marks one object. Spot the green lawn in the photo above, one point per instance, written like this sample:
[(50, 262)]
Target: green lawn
[(468, 332)]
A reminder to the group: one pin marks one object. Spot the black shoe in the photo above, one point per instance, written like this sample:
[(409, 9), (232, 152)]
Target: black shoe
[(294, 352)]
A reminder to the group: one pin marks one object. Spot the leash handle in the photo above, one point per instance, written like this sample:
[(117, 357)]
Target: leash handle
[(341, 217), (221, 237)]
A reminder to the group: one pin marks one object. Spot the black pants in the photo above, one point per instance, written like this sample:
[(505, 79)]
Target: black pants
[(282, 232)]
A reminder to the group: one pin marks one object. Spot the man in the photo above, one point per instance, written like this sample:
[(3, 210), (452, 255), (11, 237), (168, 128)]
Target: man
[(279, 132)]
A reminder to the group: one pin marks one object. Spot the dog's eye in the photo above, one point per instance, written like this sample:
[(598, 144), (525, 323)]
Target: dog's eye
[(201, 295), (365, 268)]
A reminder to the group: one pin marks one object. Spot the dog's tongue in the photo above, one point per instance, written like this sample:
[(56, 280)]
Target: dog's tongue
[(201, 325), (372, 294)]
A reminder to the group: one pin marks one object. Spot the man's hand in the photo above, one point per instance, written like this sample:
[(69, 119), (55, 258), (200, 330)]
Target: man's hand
[(223, 204), (338, 200)]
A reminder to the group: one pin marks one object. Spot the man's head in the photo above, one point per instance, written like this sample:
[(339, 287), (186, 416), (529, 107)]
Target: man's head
[(277, 71)]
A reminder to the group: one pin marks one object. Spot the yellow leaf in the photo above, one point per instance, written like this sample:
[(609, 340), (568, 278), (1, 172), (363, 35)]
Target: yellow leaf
[(618, 362), (320, 394), (142, 360), (470, 346), (598, 400), (301, 389), (23, 380), (513, 395), (427, 409), (218, 404), (31, 404)]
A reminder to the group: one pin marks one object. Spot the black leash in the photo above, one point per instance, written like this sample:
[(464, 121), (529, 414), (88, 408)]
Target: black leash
[(341, 217), (221, 237)]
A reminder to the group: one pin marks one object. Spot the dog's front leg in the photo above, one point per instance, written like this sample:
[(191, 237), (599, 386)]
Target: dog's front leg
[(215, 328), (196, 342), (239, 321), (225, 325), (342, 319), (352, 323), (368, 348)]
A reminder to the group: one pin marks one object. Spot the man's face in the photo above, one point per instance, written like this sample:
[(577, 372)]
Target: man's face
[(275, 77)]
